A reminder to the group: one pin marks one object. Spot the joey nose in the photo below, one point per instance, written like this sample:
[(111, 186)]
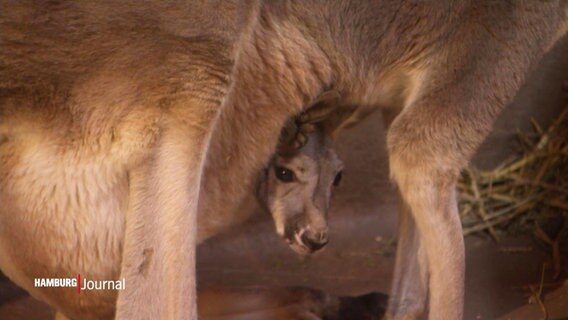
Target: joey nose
[(314, 241)]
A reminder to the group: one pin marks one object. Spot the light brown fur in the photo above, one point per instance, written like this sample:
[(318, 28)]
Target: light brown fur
[(107, 110)]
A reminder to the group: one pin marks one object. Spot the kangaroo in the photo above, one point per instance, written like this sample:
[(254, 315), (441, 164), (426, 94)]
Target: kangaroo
[(107, 111)]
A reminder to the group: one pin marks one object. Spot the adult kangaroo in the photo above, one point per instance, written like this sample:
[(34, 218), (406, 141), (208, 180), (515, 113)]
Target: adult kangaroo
[(107, 110)]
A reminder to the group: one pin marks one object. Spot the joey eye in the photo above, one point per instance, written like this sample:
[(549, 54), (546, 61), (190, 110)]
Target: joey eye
[(337, 179), (284, 174)]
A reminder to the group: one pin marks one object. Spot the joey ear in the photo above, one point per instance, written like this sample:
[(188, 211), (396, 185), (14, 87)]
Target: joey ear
[(320, 108), (295, 132), (262, 186), (292, 139), (327, 96), (289, 132), (341, 118)]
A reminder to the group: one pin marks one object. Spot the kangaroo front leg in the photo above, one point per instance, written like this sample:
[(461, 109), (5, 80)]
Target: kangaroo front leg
[(431, 198), (159, 247), (427, 149), (409, 290)]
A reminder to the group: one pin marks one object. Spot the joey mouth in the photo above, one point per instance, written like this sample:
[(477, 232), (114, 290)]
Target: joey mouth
[(305, 241)]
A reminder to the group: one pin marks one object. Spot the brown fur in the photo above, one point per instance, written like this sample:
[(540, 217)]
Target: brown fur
[(107, 109)]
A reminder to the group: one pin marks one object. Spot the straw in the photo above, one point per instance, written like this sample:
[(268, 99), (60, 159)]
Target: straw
[(514, 194)]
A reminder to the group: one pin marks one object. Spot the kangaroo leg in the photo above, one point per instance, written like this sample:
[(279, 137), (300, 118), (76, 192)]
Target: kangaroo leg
[(429, 143), (410, 282), (452, 111), (426, 187), (159, 247), (436, 134)]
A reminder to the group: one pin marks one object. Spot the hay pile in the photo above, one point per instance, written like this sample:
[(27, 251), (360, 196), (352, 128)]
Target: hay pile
[(519, 192)]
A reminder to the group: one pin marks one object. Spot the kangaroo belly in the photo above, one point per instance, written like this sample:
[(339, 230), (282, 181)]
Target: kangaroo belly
[(61, 216)]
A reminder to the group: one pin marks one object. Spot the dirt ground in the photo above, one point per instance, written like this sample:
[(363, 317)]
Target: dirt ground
[(359, 258)]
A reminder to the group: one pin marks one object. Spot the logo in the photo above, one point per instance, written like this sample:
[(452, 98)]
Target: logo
[(80, 286)]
